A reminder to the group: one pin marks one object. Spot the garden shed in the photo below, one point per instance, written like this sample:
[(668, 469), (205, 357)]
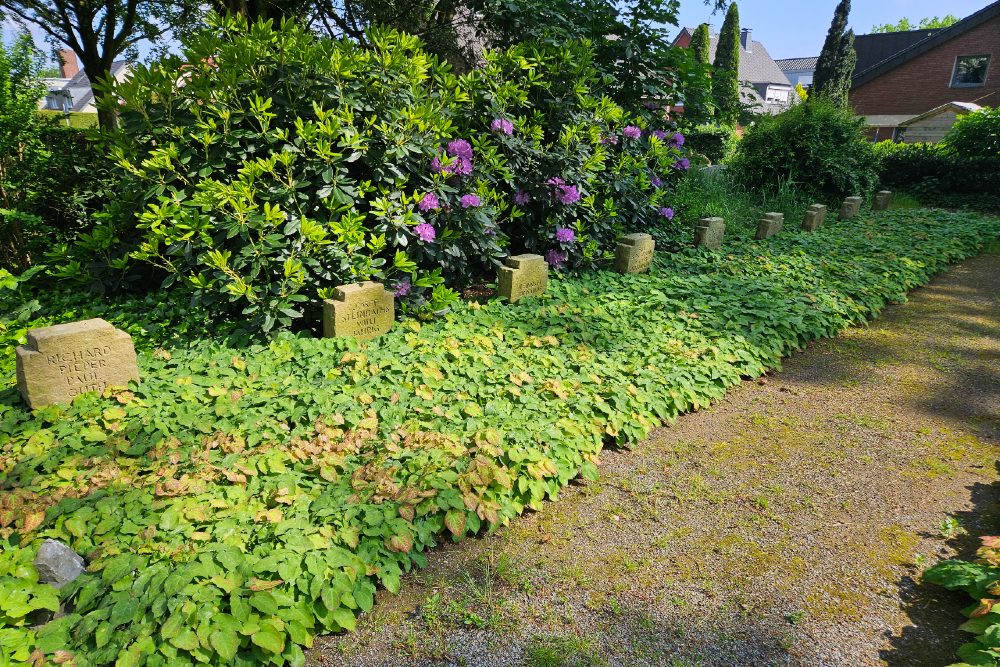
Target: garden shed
[(930, 127)]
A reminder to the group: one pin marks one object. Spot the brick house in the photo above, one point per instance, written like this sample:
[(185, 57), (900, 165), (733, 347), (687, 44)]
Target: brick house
[(902, 77)]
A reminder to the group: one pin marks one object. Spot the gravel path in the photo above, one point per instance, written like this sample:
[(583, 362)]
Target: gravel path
[(786, 525)]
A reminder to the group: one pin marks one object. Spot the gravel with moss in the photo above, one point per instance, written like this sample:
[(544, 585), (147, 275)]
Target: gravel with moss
[(786, 525)]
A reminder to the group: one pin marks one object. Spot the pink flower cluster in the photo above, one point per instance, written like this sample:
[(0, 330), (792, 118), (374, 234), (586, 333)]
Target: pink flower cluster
[(470, 201), (430, 202), (632, 132), (556, 258), (565, 235)]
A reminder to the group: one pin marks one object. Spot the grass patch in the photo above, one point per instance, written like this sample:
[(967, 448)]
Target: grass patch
[(562, 651), (248, 496)]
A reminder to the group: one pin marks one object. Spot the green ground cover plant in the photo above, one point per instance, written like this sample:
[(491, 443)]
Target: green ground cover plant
[(981, 580), (246, 497)]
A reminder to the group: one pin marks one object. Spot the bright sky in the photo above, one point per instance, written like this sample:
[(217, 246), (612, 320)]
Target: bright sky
[(797, 29)]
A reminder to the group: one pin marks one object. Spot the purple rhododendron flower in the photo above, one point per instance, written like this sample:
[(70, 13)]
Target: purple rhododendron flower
[(402, 288), (425, 232), (436, 166), (430, 202), (555, 180), (565, 235), (632, 132), (677, 140), (568, 194), (656, 181), (667, 213), (610, 140), (470, 201), (521, 198), (502, 125), (660, 134), (555, 258), (460, 148), (490, 231), (682, 164)]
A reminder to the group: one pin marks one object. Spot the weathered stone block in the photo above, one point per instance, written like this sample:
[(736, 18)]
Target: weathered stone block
[(770, 225), (850, 208), (523, 275), (634, 253), (882, 200), (814, 217), (709, 232), (363, 310), (62, 361), (57, 564)]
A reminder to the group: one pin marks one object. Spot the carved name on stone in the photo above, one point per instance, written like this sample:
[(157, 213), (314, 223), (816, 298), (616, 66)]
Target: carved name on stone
[(634, 253), (521, 276), (882, 200), (363, 310), (770, 225), (709, 233), (65, 360), (814, 217), (850, 208)]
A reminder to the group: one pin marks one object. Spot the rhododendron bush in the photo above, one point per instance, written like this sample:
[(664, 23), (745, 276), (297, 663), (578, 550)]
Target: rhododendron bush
[(266, 165)]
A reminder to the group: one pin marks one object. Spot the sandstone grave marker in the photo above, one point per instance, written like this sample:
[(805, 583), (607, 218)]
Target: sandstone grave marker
[(709, 232), (850, 208), (523, 275), (65, 360), (770, 225), (363, 310), (634, 253), (882, 200), (814, 217)]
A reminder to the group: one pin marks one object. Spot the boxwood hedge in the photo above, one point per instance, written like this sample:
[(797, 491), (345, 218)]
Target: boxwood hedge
[(245, 498)]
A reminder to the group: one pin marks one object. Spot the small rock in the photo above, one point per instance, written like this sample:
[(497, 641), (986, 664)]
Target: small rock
[(57, 564)]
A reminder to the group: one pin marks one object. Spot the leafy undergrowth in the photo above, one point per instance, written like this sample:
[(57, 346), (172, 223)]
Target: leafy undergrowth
[(243, 499), (981, 580)]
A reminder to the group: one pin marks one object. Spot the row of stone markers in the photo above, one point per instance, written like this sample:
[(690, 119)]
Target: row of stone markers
[(62, 361), (709, 232)]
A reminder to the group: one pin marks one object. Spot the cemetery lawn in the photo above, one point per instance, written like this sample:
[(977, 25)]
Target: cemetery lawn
[(786, 524), (246, 497)]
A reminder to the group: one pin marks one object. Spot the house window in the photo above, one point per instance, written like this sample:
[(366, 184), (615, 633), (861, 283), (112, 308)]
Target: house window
[(970, 71)]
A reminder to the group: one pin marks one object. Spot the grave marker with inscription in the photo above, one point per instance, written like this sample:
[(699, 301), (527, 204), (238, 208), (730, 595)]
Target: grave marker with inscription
[(770, 225), (882, 200), (65, 360), (634, 253), (850, 208), (523, 275), (709, 233), (363, 310), (814, 217)]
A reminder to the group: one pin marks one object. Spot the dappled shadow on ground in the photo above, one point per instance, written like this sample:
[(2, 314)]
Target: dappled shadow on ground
[(786, 525)]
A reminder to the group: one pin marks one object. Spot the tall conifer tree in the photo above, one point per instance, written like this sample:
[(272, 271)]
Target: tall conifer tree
[(828, 81), (725, 77), (700, 43)]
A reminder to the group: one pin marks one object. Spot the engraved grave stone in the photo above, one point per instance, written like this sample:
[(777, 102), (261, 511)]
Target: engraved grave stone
[(65, 360), (882, 200), (363, 310), (709, 233), (850, 208), (814, 217), (523, 275), (770, 225), (634, 253)]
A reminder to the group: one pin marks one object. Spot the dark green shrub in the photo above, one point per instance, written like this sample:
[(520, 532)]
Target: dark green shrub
[(976, 135), (716, 142), (278, 165), (932, 172), (817, 147)]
